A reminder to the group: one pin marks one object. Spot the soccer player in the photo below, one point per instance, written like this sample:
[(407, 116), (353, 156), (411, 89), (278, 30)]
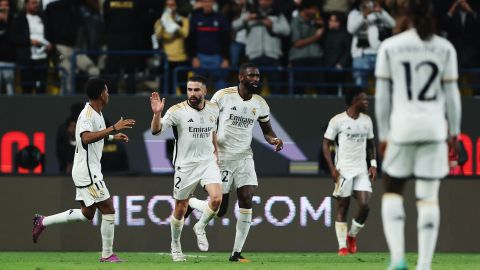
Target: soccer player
[(194, 124), (350, 173), (416, 89), (92, 192), (240, 106)]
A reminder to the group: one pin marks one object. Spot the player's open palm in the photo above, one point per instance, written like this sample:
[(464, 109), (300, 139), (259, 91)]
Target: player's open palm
[(156, 103), (124, 123)]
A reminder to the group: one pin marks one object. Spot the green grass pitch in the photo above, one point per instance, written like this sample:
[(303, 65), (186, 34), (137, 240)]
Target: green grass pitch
[(211, 261)]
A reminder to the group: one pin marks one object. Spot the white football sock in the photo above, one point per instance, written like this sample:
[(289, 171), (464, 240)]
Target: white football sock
[(176, 227), (68, 216), (207, 215), (427, 225), (244, 222), (341, 229), (355, 228), (108, 230), (197, 204), (393, 216)]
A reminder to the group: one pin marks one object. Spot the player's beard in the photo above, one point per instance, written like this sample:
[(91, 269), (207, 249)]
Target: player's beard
[(195, 102), (252, 87)]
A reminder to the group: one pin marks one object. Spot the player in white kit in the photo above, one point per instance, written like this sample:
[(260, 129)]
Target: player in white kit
[(240, 107), (353, 130), (416, 88), (194, 124), (92, 192)]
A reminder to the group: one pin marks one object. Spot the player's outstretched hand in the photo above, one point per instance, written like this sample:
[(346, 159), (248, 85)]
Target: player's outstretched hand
[(120, 137), (278, 144), (156, 103), (373, 173), (124, 123)]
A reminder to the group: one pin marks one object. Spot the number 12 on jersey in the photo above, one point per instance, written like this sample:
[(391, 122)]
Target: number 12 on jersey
[(423, 94)]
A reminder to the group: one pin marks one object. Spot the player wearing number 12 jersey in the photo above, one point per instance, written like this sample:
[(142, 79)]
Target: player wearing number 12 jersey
[(416, 88)]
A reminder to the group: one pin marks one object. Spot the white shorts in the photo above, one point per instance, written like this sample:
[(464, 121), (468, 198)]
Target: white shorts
[(346, 185), (423, 161), (238, 173), (97, 192), (186, 179)]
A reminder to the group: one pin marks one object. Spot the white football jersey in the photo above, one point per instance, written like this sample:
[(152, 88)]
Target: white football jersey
[(193, 130), (87, 168), (417, 69), (351, 154), (236, 120)]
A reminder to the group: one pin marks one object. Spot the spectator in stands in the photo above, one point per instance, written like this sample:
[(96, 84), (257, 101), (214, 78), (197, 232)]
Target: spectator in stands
[(92, 24), (337, 49), (122, 29), (31, 41), (369, 24), (209, 40), (462, 23), (307, 30), (7, 50), (172, 30), (263, 45), (63, 25), (232, 11)]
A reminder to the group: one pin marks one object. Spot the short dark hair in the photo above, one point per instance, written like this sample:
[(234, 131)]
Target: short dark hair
[(94, 87), (244, 67), (351, 94), (198, 78)]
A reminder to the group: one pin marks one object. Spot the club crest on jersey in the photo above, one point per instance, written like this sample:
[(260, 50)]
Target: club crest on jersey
[(254, 111), (212, 119)]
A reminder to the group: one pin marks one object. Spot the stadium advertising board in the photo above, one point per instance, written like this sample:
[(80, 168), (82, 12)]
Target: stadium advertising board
[(300, 122), (289, 214)]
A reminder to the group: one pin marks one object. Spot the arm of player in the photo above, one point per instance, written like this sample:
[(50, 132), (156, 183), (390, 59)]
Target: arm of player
[(215, 145), (382, 111), (157, 105), (326, 145), (372, 157), (270, 136), (454, 112), (91, 137)]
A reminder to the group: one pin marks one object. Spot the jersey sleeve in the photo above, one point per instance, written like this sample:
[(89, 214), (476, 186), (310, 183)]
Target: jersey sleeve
[(370, 129), (332, 130), (382, 68), (86, 124), (264, 112), (168, 120), (216, 98), (451, 66)]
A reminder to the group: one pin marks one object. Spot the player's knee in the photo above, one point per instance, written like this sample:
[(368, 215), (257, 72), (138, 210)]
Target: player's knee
[(427, 190), (216, 201), (108, 217)]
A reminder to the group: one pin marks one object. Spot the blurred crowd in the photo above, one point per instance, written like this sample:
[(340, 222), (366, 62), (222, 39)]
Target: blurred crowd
[(317, 38)]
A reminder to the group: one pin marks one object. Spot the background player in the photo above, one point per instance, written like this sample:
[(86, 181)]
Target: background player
[(194, 123), (240, 106), (350, 173), (92, 192), (416, 87)]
